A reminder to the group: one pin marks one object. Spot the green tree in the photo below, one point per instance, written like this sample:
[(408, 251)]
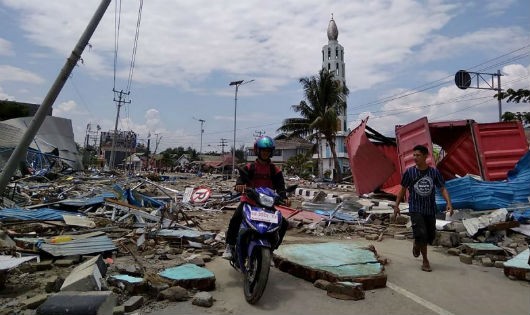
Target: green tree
[(10, 110), (300, 164), (511, 95), (325, 99)]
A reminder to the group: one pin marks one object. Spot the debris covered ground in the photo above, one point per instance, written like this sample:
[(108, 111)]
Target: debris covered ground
[(146, 240)]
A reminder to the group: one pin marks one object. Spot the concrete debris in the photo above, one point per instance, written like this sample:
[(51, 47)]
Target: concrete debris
[(129, 242)]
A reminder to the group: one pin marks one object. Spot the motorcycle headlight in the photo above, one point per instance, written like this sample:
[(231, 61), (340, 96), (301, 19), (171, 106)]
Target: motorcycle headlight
[(266, 201)]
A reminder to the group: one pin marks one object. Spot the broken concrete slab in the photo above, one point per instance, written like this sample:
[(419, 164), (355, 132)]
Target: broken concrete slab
[(518, 266), (346, 290), (475, 249), (133, 303), (133, 285), (191, 276), (85, 277), (86, 303), (333, 262)]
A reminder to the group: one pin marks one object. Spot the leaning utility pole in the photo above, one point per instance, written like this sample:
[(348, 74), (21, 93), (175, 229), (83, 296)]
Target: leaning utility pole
[(50, 98)]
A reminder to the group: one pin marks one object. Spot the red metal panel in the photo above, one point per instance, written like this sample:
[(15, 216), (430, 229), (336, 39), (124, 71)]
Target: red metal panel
[(369, 166), (500, 146), (390, 151), (460, 158), (410, 135)]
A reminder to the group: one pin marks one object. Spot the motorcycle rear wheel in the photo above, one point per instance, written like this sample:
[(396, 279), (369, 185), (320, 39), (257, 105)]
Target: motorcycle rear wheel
[(257, 274)]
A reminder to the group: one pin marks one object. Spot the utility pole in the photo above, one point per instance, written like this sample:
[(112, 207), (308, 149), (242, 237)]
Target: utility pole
[(119, 101), (50, 98)]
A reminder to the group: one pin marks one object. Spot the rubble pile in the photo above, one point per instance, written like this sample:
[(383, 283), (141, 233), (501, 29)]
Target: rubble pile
[(147, 240)]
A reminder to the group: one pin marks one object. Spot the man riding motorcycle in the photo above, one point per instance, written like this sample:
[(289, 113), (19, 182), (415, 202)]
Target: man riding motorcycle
[(260, 173)]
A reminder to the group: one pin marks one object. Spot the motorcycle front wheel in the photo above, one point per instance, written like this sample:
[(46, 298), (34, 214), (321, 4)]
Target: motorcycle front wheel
[(257, 274)]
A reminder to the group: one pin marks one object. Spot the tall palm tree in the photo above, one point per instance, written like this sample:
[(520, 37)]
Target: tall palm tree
[(325, 99)]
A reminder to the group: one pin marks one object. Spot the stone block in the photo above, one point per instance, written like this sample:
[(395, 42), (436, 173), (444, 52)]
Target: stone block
[(321, 284), (203, 299), (466, 259), (346, 290), (53, 284), (41, 266), (133, 303), (447, 239), (34, 302), (454, 251), (371, 237), (118, 310), (486, 262), (86, 303), (175, 293), (499, 264)]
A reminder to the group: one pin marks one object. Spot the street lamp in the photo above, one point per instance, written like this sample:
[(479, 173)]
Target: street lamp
[(237, 84), (202, 121)]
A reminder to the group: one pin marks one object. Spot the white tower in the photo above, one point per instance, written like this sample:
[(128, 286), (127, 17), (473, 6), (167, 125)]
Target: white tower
[(333, 60)]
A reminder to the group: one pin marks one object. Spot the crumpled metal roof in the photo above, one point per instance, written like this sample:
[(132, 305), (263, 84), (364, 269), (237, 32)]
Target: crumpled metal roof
[(55, 132)]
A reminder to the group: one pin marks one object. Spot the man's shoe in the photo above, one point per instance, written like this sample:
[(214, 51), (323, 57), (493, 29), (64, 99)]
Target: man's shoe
[(228, 252)]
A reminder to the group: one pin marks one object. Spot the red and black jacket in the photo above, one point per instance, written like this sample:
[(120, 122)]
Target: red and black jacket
[(263, 174)]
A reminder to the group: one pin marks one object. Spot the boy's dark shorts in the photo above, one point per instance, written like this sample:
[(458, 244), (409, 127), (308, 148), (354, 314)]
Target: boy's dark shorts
[(423, 228)]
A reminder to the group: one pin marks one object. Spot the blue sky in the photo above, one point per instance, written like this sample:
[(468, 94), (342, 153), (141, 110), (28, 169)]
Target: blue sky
[(401, 57)]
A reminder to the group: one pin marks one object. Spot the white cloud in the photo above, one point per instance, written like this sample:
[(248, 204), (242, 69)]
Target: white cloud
[(5, 96), (14, 74), (6, 48), (446, 103), (182, 43), (443, 47)]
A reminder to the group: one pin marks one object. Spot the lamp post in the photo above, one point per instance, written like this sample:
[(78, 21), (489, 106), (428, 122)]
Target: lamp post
[(202, 121), (237, 84)]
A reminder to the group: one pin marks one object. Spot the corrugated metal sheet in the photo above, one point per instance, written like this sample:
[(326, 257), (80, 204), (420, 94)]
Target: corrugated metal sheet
[(92, 245), (410, 135), (42, 214), (500, 146), (470, 193), (9, 262), (363, 159), (55, 132)]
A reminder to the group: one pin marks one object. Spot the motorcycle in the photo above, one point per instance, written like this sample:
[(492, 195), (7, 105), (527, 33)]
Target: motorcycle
[(258, 237)]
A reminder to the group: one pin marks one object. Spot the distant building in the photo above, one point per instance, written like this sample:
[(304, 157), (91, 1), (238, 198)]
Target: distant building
[(125, 146), (285, 149), (333, 60)]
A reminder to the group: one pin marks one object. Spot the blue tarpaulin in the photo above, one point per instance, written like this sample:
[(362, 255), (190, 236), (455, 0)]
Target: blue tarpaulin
[(136, 199), (469, 193)]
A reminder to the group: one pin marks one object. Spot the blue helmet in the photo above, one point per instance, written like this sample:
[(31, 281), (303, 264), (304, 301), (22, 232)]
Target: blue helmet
[(263, 142)]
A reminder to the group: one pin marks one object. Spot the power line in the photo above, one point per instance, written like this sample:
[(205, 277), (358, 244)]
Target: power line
[(135, 45)]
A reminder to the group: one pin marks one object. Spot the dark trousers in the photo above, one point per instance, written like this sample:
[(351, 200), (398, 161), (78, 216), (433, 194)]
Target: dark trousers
[(423, 228), (235, 222)]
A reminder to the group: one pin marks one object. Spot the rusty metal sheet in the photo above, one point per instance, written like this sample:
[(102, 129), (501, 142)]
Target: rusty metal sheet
[(370, 167), (500, 146)]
